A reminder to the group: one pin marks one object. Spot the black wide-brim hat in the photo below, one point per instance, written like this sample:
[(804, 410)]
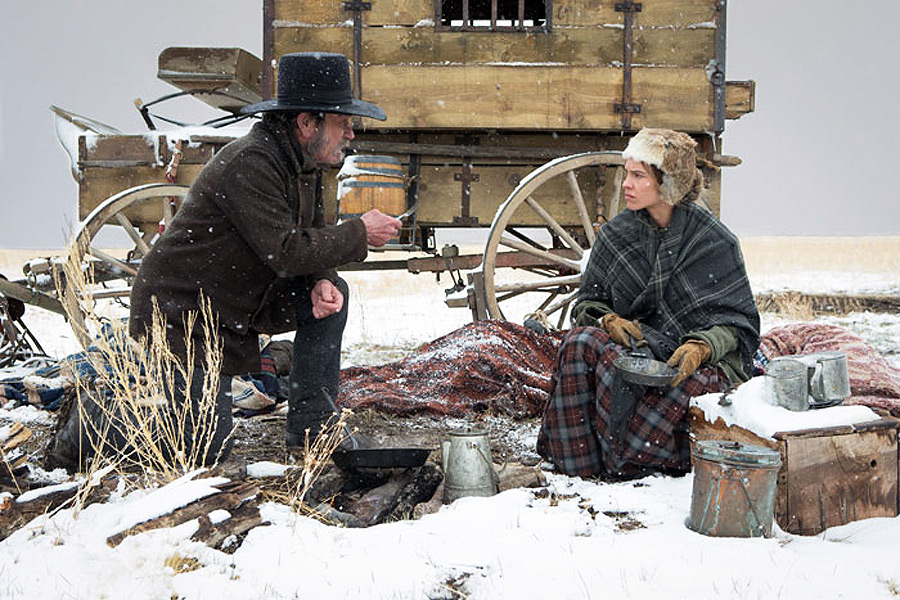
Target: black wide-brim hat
[(316, 82)]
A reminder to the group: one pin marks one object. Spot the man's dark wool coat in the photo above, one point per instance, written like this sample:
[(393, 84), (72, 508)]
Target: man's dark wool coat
[(249, 234)]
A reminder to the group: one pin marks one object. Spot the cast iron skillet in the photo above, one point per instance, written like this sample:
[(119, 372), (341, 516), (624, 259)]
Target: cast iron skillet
[(375, 458), (380, 458)]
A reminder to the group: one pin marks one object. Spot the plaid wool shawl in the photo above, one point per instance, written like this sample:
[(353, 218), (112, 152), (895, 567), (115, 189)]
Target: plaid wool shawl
[(684, 279)]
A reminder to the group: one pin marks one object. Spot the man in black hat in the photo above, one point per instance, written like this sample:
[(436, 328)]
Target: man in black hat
[(251, 237)]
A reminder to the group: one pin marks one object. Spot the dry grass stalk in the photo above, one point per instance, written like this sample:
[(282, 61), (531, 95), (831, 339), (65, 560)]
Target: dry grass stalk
[(316, 453), (793, 305), (133, 380), (130, 386), (182, 564), (315, 457), (8, 467)]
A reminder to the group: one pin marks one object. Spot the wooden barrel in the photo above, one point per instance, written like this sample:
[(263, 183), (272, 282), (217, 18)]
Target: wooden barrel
[(367, 182)]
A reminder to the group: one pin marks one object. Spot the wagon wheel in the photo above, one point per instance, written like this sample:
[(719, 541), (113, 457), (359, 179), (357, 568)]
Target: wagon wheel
[(106, 279), (548, 223)]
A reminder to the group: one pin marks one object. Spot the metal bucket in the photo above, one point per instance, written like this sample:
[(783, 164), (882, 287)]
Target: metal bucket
[(367, 182), (734, 489)]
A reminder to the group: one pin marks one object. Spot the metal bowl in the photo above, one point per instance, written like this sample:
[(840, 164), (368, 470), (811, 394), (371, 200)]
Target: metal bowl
[(645, 371)]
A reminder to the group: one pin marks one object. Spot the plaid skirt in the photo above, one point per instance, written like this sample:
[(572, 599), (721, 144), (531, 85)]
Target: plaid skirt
[(575, 431)]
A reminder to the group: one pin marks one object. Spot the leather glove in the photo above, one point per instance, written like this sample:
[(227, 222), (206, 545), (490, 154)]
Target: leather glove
[(687, 358), (621, 330)]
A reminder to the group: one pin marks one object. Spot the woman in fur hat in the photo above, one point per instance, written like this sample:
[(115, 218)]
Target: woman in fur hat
[(665, 275)]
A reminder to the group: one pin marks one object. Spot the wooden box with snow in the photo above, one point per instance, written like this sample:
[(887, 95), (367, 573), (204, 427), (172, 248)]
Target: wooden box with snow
[(839, 464)]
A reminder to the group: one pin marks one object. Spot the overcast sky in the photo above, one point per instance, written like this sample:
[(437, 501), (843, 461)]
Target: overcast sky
[(819, 152)]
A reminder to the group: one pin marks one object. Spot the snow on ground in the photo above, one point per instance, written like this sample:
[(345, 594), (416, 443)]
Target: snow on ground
[(583, 540), (578, 540)]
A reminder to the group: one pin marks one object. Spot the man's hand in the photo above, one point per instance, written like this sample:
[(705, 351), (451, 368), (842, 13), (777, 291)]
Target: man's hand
[(687, 358), (326, 299), (621, 330), (380, 227)]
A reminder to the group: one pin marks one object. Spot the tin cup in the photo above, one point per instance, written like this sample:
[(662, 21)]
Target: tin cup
[(829, 380), (789, 382)]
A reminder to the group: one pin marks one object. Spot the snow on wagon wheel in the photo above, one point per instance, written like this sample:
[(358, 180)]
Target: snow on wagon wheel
[(547, 225), (102, 289)]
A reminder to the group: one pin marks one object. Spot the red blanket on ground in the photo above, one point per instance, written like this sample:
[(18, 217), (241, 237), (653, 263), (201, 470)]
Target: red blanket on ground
[(503, 368), (484, 366)]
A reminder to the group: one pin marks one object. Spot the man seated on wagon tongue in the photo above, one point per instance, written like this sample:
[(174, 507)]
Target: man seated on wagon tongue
[(665, 274), (251, 238)]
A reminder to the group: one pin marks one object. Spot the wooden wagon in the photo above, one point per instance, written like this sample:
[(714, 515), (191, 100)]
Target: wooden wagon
[(504, 114)]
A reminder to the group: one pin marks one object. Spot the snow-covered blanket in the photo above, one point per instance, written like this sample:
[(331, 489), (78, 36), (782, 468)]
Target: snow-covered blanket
[(485, 366), (503, 368)]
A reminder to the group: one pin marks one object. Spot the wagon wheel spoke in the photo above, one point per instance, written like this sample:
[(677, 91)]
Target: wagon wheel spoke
[(562, 306), (580, 206), (560, 260), (133, 233), (547, 222), (542, 284), (112, 260), (522, 236), (110, 294), (555, 226), (168, 213), (138, 212)]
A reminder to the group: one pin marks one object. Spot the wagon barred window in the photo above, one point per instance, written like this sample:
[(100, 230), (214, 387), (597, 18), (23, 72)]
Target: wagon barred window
[(493, 15)]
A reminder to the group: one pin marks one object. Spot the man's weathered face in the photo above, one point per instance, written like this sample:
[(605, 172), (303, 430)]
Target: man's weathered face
[(326, 141)]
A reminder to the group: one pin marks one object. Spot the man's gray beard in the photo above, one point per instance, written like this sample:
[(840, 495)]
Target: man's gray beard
[(318, 142)]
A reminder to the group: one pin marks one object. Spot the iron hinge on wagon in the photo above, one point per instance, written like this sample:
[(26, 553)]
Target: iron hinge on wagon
[(629, 7), (356, 7), (466, 178), (626, 107), (632, 108)]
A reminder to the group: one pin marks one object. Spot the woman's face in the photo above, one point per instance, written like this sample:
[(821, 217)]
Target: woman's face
[(641, 188)]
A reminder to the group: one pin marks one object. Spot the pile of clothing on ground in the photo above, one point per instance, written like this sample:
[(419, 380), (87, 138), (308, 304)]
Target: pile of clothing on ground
[(46, 383)]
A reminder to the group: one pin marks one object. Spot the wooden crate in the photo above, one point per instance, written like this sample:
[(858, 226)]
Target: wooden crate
[(829, 476), (594, 66), (235, 73)]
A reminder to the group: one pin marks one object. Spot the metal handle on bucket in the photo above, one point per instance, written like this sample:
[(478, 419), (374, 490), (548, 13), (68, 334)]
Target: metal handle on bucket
[(495, 475)]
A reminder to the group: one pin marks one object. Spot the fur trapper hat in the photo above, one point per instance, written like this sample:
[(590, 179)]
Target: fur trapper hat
[(672, 152)]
